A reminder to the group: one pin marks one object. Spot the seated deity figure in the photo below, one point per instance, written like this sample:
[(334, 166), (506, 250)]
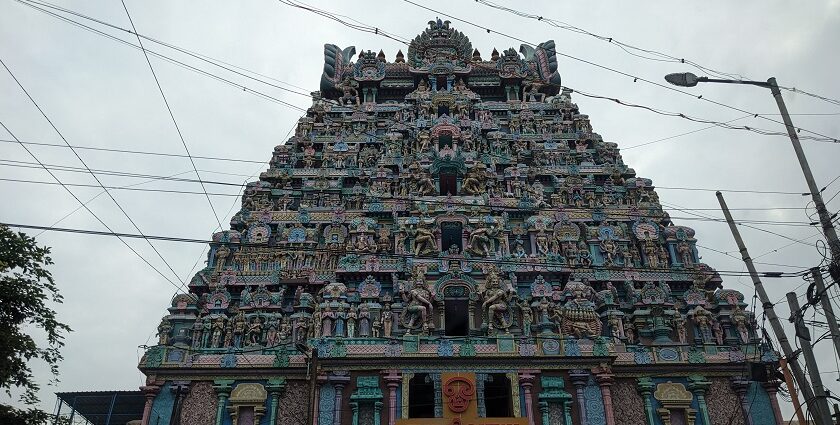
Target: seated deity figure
[(418, 305), (423, 184), (495, 304)]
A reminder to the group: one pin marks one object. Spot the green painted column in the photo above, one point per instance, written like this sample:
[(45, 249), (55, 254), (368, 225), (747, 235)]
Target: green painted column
[(646, 387), (222, 388), (275, 387), (698, 385)]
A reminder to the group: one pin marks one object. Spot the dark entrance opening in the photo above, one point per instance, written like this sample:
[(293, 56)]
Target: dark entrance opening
[(421, 396), (448, 183), (497, 397), (443, 110), (441, 83), (444, 140), (450, 235), (457, 317)]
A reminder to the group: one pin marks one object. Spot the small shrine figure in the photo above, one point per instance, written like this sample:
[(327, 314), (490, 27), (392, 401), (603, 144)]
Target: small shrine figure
[(285, 330), (255, 331), (679, 325), (495, 304), (364, 321), (218, 332), (327, 322), (387, 321), (740, 320), (718, 331), (418, 305), (163, 331), (239, 325), (271, 336), (207, 331), (377, 328), (684, 251), (630, 332), (340, 321), (197, 329), (527, 317), (352, 316)]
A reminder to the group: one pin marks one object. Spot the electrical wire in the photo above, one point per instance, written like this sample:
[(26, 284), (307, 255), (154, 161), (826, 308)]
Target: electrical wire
[(82, 161), (657, 56), (172, 115)]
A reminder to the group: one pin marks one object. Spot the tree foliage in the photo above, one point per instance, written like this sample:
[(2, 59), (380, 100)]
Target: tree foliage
[(26, 289)]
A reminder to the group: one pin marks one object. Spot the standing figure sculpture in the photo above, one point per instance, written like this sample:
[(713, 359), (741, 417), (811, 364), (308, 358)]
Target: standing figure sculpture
[(495, 305), (417, 312), (424, 240)]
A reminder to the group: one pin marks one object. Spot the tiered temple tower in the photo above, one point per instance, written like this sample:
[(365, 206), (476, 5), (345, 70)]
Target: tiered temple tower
[(445, 240)]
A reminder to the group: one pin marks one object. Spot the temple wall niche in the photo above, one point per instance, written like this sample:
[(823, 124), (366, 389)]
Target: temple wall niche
[(628, 406), (723, 403), (199, 407)]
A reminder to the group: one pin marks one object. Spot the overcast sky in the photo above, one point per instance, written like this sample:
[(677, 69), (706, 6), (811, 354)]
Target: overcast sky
[(101, 93)]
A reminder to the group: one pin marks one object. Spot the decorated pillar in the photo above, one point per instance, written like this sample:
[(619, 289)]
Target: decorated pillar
[(339, 380), (480, 379), (150, 391), (699, 385), (579, 379), (275, 388), (772, 387), (526, 381), (741, 386), (222, 388), (605, 380), (392, 381), (646, 387)]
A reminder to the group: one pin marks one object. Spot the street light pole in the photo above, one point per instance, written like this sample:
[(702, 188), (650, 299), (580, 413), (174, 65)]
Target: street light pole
[(688, 79)]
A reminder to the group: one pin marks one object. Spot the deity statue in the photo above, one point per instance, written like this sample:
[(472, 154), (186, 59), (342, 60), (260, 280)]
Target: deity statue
[(327, 322), (271, 338), (255, 331), (285, 330), (163, 331), (222, 252), (679, 325), (197, 328), (364, 321), (387, 321), (686, 256), (579, 316), (207, 331), (218, 332), (717, 329), (352, 315), (239, 325), (417, 313), (475, 181), (609, 250), (741, 322), (495, 304), (340, 321), (630, 332), (527, 317), (481, 240), (424, 240), (703, 320)]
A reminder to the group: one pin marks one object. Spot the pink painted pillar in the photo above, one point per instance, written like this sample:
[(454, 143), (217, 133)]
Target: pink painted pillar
[(526, 380), (150, 391), (772, 388), (605, 381), (393, 379)]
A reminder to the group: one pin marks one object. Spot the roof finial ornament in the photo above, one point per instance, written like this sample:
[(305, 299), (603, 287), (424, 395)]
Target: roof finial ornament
[(400, 57), (476, 56)]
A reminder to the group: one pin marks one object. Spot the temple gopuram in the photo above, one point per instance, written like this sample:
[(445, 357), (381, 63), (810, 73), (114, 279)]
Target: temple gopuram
[(445, 240)]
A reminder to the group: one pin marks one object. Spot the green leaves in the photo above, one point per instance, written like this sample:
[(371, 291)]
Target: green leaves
[(26, 286)]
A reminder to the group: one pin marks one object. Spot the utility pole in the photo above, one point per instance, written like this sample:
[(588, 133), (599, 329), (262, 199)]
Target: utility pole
[(825, 217), (769, 312), (822, 414), (828, 309)]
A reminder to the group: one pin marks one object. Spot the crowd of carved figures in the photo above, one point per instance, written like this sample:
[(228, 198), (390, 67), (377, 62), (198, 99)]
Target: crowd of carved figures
[(383, 198)]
